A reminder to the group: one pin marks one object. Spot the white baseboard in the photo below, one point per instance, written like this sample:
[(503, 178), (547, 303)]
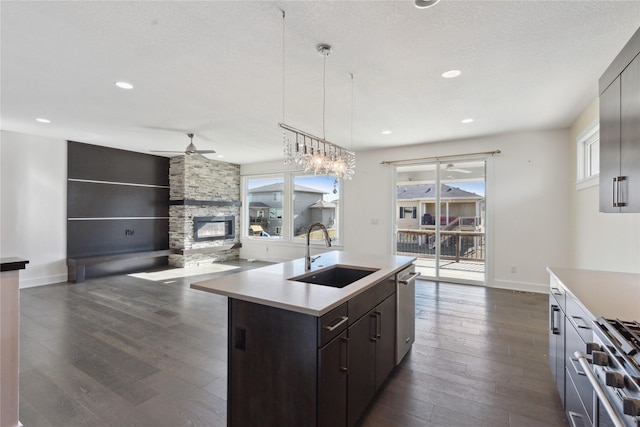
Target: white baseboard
[(42, 281), (521, 286)]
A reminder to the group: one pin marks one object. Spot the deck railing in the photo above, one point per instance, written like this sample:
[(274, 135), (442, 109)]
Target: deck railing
[(454, 245)]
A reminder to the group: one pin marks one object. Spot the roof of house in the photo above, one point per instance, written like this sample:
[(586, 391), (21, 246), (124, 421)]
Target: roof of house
[(427, 191), (323, 204)]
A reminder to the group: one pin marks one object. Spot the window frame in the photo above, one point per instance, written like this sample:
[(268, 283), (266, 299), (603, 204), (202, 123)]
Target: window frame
[(586, 139), (287, 235)]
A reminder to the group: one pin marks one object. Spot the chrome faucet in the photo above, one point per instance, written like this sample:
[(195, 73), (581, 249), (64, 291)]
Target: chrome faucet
[(308, 258)]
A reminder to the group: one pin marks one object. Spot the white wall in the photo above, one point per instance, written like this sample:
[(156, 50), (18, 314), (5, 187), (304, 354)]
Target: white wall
[(599, 241), (527, 195), (33, 205)]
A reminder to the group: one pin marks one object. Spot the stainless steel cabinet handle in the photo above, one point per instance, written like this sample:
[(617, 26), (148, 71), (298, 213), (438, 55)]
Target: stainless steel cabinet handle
[(584, 325), (378, 323), (556, 291), (373, 316), (617, 422), (617, 180), (333, 327), (572, 418), (573, 361), (554, 329), (344, 343), (410, 279)]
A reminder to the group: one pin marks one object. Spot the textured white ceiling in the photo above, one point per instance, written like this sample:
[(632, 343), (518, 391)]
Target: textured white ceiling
[(215, 68)]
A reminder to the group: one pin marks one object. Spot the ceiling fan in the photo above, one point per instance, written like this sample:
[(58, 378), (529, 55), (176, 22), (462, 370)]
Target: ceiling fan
[(191, 148), (451, 168)]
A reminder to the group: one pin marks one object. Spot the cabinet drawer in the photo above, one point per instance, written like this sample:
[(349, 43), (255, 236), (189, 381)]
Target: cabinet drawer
[(579, 380), (581, 320), (363, 303), (332, 324), (558, 292), (576, 412)]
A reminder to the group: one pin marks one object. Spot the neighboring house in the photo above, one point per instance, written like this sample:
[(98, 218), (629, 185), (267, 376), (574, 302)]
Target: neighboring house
[(416, 207), (265, 209)]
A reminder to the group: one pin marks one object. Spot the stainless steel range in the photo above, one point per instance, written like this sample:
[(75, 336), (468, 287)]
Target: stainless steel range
[(613, 369)]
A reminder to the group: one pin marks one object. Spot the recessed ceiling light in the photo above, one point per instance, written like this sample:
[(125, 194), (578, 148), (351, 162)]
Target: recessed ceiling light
[(423, 4), (451, 74), (469, 120), (220, 156), (386, 132), (124, 85), (42, 120)]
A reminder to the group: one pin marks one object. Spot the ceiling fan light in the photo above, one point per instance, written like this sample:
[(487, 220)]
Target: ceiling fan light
[(423, 4)]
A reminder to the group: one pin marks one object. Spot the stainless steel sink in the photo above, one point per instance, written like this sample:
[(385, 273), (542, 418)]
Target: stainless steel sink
[(337, 276)]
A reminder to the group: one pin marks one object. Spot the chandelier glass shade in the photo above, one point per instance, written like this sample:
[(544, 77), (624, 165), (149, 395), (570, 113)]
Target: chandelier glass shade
[(311, 153)]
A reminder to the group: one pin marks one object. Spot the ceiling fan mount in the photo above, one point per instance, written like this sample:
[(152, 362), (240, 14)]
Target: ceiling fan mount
[(191, 148)]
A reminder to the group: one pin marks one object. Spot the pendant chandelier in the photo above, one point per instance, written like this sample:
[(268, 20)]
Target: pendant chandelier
[(313, 153)]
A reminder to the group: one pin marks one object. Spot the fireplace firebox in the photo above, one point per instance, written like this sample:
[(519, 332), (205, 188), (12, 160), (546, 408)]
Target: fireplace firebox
[(213, 228)]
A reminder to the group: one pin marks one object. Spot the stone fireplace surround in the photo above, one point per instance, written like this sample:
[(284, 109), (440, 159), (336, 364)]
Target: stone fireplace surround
[(201, 187)]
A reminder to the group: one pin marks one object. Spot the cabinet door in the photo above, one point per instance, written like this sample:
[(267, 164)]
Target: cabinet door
[(385, 338), (609, 145), (332, 392), (362, 365), (630, 136), (556, 345)]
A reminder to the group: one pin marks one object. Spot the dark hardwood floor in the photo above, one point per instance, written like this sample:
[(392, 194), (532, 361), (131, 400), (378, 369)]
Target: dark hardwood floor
[(123, 351)]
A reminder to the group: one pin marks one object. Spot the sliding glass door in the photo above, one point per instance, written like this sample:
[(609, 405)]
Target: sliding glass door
[(440, 218)]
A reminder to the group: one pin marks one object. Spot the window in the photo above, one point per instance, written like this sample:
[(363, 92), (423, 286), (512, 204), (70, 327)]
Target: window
[(408, 212), (315, 199), (588, 167), (264, 206), (285, 205)]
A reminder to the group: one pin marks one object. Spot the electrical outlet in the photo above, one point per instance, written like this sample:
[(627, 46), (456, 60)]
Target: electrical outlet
[(514, 269)]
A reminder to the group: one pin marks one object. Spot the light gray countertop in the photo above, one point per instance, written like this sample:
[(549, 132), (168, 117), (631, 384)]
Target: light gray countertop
[(270, 285), (603, 293)]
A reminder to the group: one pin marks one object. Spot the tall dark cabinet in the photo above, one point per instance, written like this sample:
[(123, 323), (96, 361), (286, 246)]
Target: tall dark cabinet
[(620, 131)]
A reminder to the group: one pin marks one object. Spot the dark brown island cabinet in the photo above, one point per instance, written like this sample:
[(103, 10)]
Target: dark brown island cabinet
[(293, 369), (619, 89)]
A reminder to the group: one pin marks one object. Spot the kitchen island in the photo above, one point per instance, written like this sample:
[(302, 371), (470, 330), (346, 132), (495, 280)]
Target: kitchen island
[(585, 308), (308, 354)]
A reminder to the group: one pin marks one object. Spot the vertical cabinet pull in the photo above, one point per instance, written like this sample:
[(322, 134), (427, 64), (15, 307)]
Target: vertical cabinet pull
[(378, 324), (617, 183), (344, 344), (554, 329), (373, 325)]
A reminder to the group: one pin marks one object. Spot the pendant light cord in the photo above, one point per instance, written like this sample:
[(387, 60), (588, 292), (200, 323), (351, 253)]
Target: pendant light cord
[(324, 93), (351, 136), (283, 69)]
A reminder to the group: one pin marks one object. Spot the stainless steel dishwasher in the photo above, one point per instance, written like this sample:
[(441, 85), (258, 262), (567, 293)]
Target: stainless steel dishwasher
[(406, 310)]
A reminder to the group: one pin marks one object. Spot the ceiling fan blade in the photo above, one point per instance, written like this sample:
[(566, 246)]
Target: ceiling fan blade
[(169, 151), (205, 151)]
